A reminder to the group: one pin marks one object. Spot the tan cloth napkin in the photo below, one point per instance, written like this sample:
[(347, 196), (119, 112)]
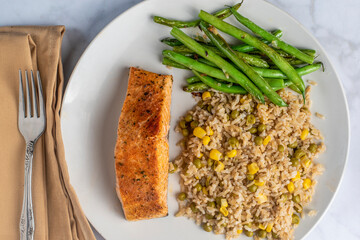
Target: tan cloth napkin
[(58, 214)]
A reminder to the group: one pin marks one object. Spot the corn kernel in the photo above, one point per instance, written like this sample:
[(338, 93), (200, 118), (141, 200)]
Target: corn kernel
[(219, 166), (304, 134), (239, 231), (262, 120), (266, 140), (224, 211), (261, 226), (215, 154), (206, 140), (209, 131), (291, 187), (269, 227), (199, 132), (259, 183), (224, 203), (199, 155), (231, 153), (206, 95), (253, 168), (261, 198), (196, 177), (307, 183), (297, 177), (306, 162)]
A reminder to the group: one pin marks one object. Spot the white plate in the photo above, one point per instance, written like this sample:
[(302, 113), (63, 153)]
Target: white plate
[(96, 92)]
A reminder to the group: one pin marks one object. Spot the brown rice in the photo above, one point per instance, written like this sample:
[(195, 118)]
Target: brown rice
[(245, 211)]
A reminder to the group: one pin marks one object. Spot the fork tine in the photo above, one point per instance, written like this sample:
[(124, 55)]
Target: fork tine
[(41, 98), (34, 102), (28, 104), (21, 97)]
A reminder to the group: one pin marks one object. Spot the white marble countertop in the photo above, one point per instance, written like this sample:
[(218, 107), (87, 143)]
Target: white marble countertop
[(334, 23)]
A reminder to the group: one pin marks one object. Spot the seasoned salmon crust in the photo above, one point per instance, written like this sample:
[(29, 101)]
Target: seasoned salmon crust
[(142, 150)]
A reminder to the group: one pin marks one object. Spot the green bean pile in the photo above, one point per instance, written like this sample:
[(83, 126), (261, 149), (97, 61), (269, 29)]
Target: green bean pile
[(259, 66)]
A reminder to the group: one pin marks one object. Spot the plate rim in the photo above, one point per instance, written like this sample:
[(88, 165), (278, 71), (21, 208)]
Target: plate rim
[(348, 140)]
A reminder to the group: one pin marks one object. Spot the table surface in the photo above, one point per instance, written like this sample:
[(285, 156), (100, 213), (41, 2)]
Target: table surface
[(334, 24)]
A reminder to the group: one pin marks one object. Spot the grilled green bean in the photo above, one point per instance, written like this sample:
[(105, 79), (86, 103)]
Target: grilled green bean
[(274, 73), (217, 73), (248, 48), (182, 49), (203, 60), (196, 87), (282, 64), (250, 59), (192, 79), (275, 83), (195, 65), (224, 87), (309, 52), (172, 42), (199, 86), (276, 42), (222, 14), (220, 62), (168, 62), (222, 45), (269, 74), (294, 88)]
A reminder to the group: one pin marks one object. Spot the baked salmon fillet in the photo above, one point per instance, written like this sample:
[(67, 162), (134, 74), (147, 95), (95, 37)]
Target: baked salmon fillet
[(142, 150)]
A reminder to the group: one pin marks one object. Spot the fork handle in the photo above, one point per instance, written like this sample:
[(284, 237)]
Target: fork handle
[(27, 223)]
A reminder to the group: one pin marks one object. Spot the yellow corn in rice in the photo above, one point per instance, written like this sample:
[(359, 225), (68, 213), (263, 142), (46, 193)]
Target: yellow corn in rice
[(253, 168), (291, 187), (262, 227), (259, 183), (231, 153), (199, 132), (219, 166), (215, 154), (304, 134), (224, 211), (199, 155), (206, 140), (206, 95), (261, 198), (307, 183), (266, 140), (269, 227)]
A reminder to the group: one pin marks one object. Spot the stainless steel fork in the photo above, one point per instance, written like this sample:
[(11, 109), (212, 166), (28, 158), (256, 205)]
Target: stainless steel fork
[(32, 123)]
